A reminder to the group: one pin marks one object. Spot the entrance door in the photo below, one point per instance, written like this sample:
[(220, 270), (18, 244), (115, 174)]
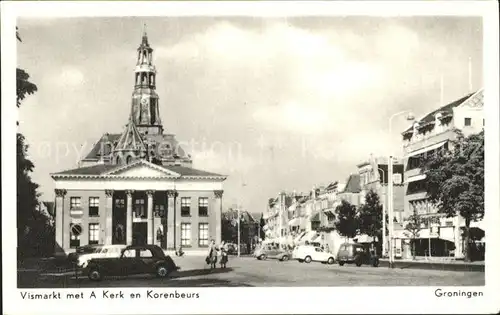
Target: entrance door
[(140, 233)]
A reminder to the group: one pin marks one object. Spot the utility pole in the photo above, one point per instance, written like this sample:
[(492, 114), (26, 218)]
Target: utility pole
[(239, 220)]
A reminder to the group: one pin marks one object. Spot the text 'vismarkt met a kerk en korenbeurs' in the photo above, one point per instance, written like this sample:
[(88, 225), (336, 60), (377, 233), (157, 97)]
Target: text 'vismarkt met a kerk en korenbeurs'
[(108, 294)]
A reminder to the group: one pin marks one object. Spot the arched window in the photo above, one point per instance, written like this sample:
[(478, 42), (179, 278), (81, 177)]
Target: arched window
[(118, 160), (129, 159)]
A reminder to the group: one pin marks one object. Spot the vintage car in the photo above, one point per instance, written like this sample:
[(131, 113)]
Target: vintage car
[(82, 250), (308, 253), (268, 251), (103, 251), (356, 253), (147, 259)]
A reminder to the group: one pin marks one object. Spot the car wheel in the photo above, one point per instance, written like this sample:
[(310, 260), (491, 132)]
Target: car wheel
[(358, 262), (341, 263), (284, 258), (308, 259), (262, 257), (300, 260), (95, 275), (375, 263), (161, 271), (330, 261)]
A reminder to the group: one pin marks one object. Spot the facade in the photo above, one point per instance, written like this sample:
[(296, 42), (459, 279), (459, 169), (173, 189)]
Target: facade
[(434, 132), (138, 186)]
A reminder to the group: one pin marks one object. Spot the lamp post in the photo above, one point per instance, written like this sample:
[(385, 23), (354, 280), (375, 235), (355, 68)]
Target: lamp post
[(390, 192), (384, 211)]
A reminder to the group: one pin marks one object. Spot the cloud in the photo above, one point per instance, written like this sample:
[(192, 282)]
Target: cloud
[(70, 77)]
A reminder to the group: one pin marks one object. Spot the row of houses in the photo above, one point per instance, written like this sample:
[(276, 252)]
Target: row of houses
[(296, 218)]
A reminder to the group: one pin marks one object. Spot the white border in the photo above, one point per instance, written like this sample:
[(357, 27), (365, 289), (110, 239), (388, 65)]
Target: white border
[(268, 300)]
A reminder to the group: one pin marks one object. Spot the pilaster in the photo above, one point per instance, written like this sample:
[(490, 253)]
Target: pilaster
[(59, 246), (109, 217), (151, 232), (129, 216), (218, 215)]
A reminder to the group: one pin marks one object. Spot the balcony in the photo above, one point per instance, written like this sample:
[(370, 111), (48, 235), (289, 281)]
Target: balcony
[(76, 212), (428, 139)]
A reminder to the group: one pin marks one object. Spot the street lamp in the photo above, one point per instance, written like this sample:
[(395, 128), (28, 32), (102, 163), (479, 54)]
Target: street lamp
[(384, 211), (390, 192)]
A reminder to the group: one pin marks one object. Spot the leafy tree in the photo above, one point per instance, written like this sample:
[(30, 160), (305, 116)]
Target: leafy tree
[(262, 234), (455, 180), (35, 234), (347, 223), (370, 216), (413, 226)]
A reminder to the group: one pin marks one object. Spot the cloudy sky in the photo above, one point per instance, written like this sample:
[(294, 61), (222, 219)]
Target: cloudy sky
[(276, 104)]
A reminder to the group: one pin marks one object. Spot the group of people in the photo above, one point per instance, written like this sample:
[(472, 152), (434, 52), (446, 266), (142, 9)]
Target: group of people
[(214, 251)]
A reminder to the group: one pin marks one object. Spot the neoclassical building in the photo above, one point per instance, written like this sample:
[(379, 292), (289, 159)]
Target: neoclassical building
[(138, 186)]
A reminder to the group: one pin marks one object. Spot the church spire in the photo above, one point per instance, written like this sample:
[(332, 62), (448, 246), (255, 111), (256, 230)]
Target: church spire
[(145, 112)]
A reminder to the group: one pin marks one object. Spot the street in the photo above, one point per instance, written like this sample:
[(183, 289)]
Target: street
[(249, 272)]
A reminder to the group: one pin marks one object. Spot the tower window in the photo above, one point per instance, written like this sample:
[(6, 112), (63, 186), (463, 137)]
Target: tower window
[(467, 121)]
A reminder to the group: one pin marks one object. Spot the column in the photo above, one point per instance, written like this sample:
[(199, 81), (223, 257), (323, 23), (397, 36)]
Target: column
[(171, 219), (59, 245), (151, 226), (108, 228), (129, 216), (218, 215), (457, 236)]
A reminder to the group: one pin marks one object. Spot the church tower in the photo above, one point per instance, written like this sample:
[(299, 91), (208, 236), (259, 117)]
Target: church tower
[(145, 113)]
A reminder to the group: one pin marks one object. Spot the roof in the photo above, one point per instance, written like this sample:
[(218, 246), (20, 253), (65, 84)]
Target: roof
[(187, 171), (446, 109), (353, 184), (106, 138), (130, 140), (103, 169)]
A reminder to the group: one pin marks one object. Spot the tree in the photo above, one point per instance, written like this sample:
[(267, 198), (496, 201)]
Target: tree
[(262, 234), (455, 181), (370, 216), (35, 234), (347, 223), (413, 226)]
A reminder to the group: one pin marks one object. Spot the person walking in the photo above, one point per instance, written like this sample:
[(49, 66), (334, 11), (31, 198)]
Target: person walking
[(224, 256), (212, 255)]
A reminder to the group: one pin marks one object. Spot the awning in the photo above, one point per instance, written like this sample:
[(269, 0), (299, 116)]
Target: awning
[(415, 178), (292, 208), (426, 149), (363, 238), (316, 238), (265, 227), (294, 222), (298, 237), (315, 218), (478, 224), (329, 210), (309, 236)]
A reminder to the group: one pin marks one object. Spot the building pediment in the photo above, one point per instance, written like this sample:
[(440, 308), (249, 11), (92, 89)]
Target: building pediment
[(141, 169)]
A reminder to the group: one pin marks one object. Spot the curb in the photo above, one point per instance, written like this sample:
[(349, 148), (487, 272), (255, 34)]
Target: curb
[(433, 266)]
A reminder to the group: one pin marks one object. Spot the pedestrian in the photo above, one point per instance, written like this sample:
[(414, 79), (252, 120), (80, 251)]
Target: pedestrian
[(212, 255), (224, 256), (327, 248)]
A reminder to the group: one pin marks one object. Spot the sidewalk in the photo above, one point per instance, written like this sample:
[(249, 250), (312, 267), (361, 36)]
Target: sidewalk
[(436, 263)]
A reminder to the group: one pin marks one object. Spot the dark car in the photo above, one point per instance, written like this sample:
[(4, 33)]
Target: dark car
[(148, 259), (81, 250), (356, 253)]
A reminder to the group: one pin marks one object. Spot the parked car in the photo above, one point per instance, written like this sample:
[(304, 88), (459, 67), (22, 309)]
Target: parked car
[(356, 253), (308, 253), (267, 251), (100, 252), (147, 259), (81, 250)]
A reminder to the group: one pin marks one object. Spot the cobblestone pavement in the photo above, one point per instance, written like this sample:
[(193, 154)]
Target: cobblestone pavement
[(247, 271)]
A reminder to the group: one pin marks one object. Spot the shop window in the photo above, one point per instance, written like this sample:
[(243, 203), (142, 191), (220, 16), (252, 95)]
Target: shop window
[(140, 208)]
